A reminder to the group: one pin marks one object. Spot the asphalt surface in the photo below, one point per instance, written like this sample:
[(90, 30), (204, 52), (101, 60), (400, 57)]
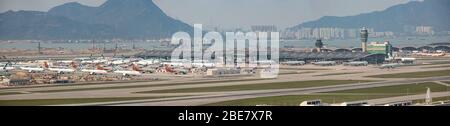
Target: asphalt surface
[(305, 73)]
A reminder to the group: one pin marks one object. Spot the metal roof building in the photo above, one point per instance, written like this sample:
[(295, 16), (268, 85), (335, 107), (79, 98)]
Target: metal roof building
[(295, 56)]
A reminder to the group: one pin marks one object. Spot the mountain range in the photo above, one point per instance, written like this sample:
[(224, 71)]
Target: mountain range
[(142, 19), (435, 13), (125, 19)]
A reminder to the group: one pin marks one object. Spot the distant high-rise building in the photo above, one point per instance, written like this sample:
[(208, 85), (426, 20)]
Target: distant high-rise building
[(364, 37), (424, 30)]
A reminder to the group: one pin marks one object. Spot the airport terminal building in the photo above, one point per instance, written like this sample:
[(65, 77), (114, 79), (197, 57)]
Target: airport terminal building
[(338, 56)]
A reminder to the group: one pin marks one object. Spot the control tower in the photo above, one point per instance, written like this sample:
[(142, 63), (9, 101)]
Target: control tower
[(364, 36)]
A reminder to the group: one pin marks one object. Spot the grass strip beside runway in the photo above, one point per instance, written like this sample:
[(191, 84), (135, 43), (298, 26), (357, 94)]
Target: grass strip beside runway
[(339, 96), (263, 86), (422, 74)]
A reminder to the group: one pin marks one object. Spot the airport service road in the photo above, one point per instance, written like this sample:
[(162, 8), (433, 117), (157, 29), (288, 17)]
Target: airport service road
[(226, 96)]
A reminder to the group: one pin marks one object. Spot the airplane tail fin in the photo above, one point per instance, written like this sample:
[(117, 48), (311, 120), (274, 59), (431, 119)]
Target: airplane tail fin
[(98, 67), (73, 65), (45, 65), (168, 68), (136, 68)]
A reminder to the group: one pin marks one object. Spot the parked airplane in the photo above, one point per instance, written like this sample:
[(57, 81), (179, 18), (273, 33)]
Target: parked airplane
[(390, 66), (175, 71), (325, 63), (61, 70), (408, 59), (94, 61), (208, 65), (32, 69), (293, 63), (128, 72), (174, 64), (6, 67), (97, 70), (177, 62), (120, 61), (64, 61), (136, 71), (147, 62), (357, 63), (431, 54), (94, 72)]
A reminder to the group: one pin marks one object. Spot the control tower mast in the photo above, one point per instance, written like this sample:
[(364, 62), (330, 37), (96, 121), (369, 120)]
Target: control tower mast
[(364, 37)]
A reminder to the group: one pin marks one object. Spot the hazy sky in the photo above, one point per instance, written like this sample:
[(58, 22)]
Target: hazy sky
[(235, 13)]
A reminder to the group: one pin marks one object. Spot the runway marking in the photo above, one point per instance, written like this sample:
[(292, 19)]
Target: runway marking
[(372, 84), (442, 83)]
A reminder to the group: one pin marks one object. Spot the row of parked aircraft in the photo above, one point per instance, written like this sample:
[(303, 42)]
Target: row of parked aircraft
[(437, 54), (137, 66)]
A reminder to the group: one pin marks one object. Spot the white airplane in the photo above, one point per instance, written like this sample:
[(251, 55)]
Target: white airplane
[(174, 64), (62, 70), (94, 61), (128, 72), (146, 62), (175, 70), (97, 70), (293, 63), (357, 63), (390, 66), (120, 61), (64, 61), (94, 72), (135, 72), (408, 59), (431, 54), (6, 68), (87, 61), (325, 63), (208, 65), (59, 70), (266, 62), (32, 69), (82, 59)]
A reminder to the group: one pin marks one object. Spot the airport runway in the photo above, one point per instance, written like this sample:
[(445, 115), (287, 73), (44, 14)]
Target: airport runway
[(212, 98)]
